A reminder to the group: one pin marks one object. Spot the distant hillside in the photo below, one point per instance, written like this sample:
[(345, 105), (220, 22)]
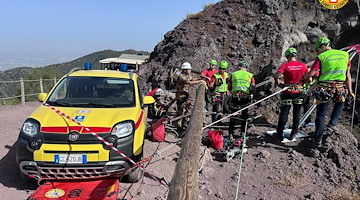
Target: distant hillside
[(93, 59), (63, 68), (15, 73), (57, 70)]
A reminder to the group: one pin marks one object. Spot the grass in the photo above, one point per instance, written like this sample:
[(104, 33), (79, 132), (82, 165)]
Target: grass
[(11, 102), (344, 194), (207, 6), (194, 16), (199, 14), (288, 182)]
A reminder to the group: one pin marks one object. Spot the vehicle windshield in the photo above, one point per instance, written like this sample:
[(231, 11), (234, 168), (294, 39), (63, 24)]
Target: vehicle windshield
[(98, 92)]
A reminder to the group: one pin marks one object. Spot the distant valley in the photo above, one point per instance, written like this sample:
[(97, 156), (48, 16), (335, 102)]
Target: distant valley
[(12, 62)]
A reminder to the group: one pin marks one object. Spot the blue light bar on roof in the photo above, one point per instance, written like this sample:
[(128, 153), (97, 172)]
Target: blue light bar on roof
[(124, 68), (87, 66)]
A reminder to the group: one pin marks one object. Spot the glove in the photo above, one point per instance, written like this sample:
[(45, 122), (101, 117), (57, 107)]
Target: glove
[(352, 94)]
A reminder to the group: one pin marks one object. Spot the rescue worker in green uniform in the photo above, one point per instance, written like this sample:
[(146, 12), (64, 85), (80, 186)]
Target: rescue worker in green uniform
[(219, 83), (334, 67), (242, 86), (183, 82)]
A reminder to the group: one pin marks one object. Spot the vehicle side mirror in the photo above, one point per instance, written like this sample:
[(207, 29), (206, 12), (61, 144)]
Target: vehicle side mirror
[(42, 97), (147, 100)]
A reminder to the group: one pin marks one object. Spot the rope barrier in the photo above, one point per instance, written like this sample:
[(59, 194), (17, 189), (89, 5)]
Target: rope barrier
[(104, 141)]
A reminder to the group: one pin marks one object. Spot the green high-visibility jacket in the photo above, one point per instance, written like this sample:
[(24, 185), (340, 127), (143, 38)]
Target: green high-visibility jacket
[(334, 64), (241, 81), (220, 82)]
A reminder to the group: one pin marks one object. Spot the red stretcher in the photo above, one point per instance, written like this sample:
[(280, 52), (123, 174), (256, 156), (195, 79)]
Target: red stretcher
[(99, 189)]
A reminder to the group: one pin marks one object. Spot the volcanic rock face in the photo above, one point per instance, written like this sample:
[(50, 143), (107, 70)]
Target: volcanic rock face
[(258, 31)]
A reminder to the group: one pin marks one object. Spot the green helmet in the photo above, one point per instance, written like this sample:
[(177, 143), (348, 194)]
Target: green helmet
[(243, 63), (224, 64), (321, 41), (290, 52), (213, 62)]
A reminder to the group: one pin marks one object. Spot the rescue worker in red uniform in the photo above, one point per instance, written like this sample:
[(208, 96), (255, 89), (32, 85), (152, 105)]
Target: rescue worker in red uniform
[(207, 74), (334, 67), (242, 86), (219, 83), (183, 82), (292, 71)]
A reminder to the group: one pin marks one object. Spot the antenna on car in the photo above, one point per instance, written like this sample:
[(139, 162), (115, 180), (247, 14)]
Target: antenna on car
[(131, 73), (73, 70)]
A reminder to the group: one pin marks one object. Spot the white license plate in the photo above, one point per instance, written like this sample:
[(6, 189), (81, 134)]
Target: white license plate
[(59, 159)]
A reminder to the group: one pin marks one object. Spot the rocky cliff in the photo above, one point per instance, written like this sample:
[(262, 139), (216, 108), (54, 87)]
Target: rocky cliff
[(259, 31)]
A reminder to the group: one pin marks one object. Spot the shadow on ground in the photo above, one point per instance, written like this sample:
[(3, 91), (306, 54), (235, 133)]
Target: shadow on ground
[(10, 173)]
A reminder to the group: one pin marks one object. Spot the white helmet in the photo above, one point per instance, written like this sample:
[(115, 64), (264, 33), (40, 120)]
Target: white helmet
[(159, 92), (186, 65)]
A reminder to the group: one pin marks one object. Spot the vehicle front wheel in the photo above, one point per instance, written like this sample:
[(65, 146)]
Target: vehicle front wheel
[(25, 177), (135, 175)]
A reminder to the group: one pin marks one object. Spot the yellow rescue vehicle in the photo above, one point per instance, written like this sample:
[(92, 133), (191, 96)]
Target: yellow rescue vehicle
[(108, 103)]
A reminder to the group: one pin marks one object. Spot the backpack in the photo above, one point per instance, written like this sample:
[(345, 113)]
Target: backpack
[(158, 130)]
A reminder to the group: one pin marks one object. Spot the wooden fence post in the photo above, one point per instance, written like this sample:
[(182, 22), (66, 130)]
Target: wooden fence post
[(184, 183), (41, 85), (22, 91)]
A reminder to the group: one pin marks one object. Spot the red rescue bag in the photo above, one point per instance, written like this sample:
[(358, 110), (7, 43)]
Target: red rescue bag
[(158, 130), (216, 139), (94, 189)]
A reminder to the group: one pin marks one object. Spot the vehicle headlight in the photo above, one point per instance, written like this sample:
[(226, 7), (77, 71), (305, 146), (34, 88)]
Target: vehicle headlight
[(30, 127), (122, 129)]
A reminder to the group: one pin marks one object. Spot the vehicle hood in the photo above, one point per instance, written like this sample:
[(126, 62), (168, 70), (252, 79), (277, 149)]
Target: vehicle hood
[(99, 120)]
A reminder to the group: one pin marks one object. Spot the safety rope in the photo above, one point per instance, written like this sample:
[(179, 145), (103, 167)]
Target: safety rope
[(105, 142), (356, 86), (237, 112), (241, 161)]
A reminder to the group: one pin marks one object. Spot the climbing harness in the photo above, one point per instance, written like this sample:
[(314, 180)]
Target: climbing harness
[(288, 102), (240, 99), (325, 91)]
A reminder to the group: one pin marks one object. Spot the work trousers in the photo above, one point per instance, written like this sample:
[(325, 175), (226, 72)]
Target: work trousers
[(236, 104), (296, 101), (219, 106), (320, 118), (183, 108)]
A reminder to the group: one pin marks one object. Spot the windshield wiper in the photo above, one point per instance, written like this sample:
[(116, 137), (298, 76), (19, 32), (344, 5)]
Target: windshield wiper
[(58, 103), (92, 104)]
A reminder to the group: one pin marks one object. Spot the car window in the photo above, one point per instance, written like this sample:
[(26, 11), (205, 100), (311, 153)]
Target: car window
[(79, 91)]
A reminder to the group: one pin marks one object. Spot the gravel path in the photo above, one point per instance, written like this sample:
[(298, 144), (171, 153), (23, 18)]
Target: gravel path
[(12, 187), (271, 170)]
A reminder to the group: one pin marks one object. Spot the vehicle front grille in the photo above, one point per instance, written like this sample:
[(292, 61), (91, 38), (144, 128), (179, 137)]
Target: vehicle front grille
[(72, 172), (54, 172)]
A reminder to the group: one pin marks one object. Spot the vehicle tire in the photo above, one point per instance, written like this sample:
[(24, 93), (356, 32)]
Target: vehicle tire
[(27, 178), (135, 175)]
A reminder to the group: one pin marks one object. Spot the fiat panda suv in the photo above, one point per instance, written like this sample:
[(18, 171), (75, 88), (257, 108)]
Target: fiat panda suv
[(106, 102)]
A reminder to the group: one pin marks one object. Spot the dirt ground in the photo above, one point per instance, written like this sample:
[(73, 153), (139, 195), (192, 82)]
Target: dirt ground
[(270, 169)]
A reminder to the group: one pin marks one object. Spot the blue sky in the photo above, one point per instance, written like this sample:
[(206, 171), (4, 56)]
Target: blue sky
[(74, 28)]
